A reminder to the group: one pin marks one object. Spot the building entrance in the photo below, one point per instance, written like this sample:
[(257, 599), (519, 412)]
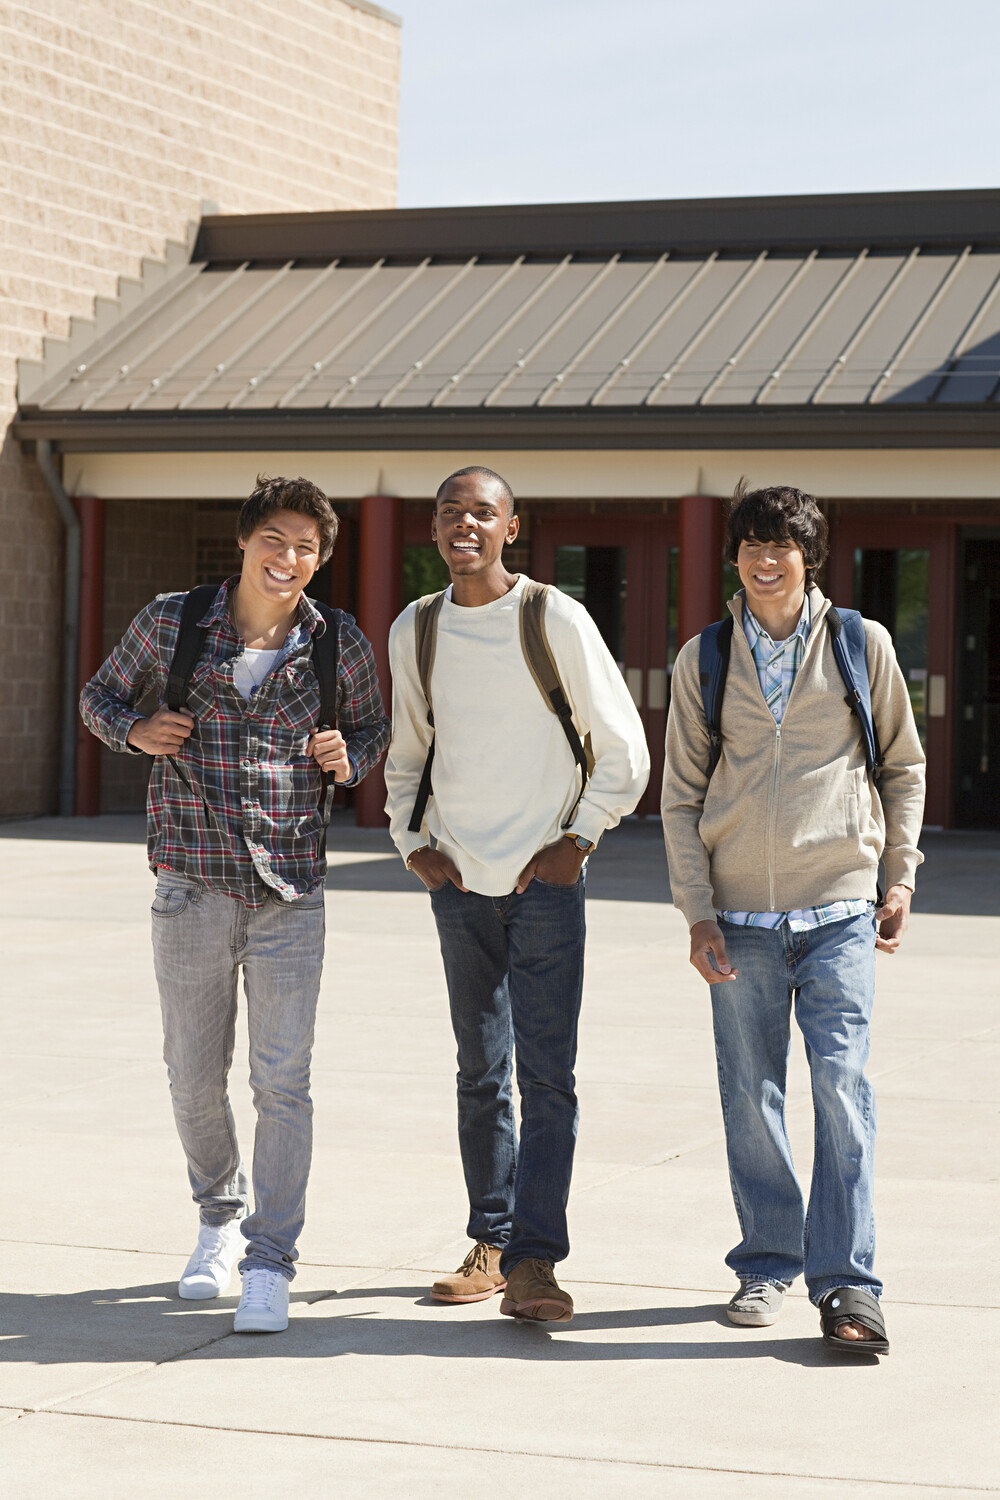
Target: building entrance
[(624, 571), (910, 589), (977, 790)]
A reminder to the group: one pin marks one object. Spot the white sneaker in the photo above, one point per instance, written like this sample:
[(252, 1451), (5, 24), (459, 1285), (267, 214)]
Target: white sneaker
[(208, 1272), (264, 1304)]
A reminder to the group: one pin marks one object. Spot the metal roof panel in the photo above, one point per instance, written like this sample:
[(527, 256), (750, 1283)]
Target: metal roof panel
[(726, 328)]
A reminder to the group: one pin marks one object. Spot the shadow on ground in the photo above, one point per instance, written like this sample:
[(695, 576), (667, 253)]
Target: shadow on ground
[(960, 876), (116, 1325)]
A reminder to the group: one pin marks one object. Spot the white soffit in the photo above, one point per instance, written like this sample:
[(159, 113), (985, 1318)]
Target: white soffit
[(842, 474)]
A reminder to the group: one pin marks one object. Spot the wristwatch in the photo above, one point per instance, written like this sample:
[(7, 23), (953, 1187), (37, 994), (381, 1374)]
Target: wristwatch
[(584, 845)]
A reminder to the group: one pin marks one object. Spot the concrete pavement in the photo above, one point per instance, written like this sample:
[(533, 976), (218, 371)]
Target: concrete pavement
[(111, 1387)]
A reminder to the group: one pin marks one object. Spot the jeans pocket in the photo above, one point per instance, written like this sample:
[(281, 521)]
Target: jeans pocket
[(174, 895), (558, 885)]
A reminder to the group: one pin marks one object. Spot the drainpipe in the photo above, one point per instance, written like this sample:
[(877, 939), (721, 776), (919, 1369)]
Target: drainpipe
[(71, 627)]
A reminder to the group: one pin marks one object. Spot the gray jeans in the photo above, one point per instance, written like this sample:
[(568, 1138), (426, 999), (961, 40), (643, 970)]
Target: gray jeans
[(200, 939)]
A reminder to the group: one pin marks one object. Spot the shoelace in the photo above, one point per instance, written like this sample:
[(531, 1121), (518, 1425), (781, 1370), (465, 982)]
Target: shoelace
[(759, 1291), (478, 1259), (212, 1245), (544, 1272), (259, 1286)]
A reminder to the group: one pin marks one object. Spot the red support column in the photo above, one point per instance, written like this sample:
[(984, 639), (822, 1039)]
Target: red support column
[(701, 536), (91, 649), (380, 575)]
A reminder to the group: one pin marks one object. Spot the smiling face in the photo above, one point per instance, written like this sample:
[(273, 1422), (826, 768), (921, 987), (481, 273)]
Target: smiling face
[(774, 576), (471, 525), (280, 557)]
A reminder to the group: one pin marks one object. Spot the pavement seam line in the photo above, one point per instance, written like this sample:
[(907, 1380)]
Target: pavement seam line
[(629, 1463)]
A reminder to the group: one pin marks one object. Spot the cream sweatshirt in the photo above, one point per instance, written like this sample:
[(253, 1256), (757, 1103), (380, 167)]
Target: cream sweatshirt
[(504, 775), (790, 818)]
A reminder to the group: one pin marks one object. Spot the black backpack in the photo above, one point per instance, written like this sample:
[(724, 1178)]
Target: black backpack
[(191, 643)]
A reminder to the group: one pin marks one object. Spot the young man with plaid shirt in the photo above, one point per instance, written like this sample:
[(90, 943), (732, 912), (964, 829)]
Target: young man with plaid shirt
[(774, 861), (236, 838)]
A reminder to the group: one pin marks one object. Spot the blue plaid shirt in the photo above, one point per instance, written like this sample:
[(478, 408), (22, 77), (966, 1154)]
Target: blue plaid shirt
[(777, 663)]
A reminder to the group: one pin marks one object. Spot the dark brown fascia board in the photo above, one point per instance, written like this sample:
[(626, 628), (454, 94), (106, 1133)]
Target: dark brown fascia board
[(697, 225), (569, 427)]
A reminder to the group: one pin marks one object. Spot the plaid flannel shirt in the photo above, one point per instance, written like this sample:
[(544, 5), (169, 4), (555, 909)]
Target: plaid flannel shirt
[(777, 664), (239, 806)]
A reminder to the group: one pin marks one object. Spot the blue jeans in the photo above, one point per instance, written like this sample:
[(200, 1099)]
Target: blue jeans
[(201, 939), (829, 973), (514, 967)]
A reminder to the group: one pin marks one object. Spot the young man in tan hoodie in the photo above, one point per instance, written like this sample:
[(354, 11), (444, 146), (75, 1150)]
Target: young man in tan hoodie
[(774, 862)]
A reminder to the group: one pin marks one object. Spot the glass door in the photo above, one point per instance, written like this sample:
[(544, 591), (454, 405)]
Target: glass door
[(619, 568), (910, 589)]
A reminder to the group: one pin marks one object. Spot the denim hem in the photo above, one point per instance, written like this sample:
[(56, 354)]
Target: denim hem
[(873, 1290), (257, 1263)]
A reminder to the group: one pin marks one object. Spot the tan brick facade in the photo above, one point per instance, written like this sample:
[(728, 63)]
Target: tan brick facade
[(120, 118)]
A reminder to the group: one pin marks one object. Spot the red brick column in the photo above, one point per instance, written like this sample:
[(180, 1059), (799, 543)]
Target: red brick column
[(91, 649), (380, 575), (702, 528)]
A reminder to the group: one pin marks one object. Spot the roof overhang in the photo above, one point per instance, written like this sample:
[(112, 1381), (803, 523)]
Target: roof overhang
[(832, 221), (895, 426)]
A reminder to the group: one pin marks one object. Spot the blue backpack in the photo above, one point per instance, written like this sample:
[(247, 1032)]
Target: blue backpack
[(847, 637)]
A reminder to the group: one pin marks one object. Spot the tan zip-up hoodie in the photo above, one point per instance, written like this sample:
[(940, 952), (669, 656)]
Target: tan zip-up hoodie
[(789, 819)]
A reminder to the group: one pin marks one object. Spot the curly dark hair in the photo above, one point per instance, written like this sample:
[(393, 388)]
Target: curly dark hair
[(777, 514), (300, 495)]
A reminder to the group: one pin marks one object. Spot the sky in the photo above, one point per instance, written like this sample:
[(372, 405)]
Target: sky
[(536, 101)]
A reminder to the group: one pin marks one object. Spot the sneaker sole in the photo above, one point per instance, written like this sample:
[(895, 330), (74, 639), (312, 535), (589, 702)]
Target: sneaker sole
[(541, 1310), (200, 1294), (475, 1297), (751, 1320), (260, 1327)]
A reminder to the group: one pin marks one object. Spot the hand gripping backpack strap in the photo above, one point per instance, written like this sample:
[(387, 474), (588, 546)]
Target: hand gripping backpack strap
[(713, 668), (541, 665), (850, 651), (425, 626), (190, 644)]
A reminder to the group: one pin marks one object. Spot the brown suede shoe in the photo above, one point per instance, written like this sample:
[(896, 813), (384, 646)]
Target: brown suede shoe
[(533, 1292), (477, 1278)]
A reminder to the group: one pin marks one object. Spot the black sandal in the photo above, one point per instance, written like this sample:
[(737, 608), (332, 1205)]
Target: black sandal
[(847, 1305)]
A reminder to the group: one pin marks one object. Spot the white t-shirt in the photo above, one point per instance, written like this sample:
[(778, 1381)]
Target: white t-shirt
[(250, 669), (504, 776)]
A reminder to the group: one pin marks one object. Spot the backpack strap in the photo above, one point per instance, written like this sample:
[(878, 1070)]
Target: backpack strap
[(541, 665), (190, 644), (425, 627), (326, 663), (713, 668), (850, 650)]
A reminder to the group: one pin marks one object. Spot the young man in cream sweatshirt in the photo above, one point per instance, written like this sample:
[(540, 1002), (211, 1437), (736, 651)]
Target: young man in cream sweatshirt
[(506, 877), (774, 863)]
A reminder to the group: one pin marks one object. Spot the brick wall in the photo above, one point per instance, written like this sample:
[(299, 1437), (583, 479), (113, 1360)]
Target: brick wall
[(119, 119)]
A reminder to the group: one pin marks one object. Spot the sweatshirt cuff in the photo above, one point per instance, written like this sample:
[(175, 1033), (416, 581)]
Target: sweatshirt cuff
[(408, 843), (696, 906), (589, 824), (900, 866)]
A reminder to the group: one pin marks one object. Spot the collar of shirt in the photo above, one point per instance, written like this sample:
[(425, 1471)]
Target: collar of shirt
[(754, 630), (309, 619)]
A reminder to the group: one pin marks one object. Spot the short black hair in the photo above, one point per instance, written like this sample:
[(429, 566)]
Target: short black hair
[(777, 514), (299, 495), (505, 489)]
